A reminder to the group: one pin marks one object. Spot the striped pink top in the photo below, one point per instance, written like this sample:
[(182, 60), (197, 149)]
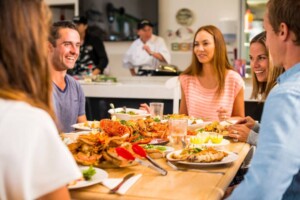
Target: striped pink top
[(202, 103)]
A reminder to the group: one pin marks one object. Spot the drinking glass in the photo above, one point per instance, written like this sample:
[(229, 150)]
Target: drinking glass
[(178, 132), (157, 109)]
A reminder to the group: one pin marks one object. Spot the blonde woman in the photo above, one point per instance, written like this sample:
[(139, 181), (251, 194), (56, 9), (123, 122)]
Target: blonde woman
[(264, 79), (35, 164), (209, 85)]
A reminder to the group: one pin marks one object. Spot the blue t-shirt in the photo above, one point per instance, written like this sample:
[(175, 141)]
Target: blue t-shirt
[(274, 171), (69, 103)]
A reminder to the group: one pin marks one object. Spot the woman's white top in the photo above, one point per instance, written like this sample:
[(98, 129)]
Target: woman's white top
[(33, 159)]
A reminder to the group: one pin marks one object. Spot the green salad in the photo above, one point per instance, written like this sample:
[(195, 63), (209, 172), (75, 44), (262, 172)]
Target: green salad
[(129, 112)]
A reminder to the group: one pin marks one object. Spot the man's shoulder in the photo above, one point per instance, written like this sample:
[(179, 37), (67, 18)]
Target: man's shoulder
[(72, 81)]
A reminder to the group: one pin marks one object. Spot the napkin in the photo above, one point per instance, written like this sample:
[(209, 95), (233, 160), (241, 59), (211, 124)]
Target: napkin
[(113, 182)]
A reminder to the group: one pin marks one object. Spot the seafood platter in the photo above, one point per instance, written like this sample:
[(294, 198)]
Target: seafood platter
[(99, 148)]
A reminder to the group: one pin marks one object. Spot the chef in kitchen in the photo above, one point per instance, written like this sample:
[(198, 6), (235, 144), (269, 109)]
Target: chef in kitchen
[(147, 52)]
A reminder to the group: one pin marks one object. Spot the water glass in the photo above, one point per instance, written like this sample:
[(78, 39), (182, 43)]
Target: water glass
[(178, 132), (157, 109)]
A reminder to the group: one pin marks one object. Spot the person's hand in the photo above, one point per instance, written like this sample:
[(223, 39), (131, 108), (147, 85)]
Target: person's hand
[(223, 114), (247, 121), (147, 48), (239, 132), (145, 106)]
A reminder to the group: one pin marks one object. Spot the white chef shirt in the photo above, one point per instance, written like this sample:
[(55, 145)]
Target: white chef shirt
[(136, 56)]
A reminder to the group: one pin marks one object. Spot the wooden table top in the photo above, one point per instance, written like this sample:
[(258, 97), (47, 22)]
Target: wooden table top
[(175, 185)]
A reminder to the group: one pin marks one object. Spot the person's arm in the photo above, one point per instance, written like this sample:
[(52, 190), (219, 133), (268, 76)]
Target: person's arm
[(154, 54), (277, 159), (101, 59), (60, 193), (81, 118), (158, 56), (96, 71), (132, 71), (182, 107), (239, 105), (252, 138)]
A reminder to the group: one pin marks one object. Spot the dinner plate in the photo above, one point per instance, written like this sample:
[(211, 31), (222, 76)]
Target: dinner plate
[(198, 124), (86, 126), (69, 138), (162, 148), (228, 122), (231, 157), (97, 178), (139, 114), (160, 141), (224, 143)]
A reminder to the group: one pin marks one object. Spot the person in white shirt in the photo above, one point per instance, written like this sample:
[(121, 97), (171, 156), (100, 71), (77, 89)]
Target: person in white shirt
[(34, 162), (147, 52)]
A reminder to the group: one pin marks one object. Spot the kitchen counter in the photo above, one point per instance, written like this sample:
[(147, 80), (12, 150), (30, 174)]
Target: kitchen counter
[(130, 87), (154, 87)]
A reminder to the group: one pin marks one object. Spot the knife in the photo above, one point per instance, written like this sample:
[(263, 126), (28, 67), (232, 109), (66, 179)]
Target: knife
[(128, 156), (141, 152)]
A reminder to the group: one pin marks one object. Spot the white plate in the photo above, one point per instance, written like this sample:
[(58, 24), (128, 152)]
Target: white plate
[(69, 138), (81, 126), (210, 144), (159, 141), (228, 122), (167, 148), (199, 124), (124, 116), (97, 178), (228, 159)]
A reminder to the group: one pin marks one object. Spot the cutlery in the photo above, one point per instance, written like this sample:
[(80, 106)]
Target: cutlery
[(197, 170), (115, 189), (124, 109), (141, 152), (112, 107), (128, 156)]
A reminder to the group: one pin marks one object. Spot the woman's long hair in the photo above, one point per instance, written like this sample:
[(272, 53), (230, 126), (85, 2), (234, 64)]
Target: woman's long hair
[(24, 70), (263, 88), (220, 59)]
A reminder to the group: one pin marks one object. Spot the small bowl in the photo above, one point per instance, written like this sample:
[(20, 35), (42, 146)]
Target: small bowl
[(135, 113)]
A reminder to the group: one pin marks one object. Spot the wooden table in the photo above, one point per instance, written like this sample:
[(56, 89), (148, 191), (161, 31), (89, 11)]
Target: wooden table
[(176, 185)]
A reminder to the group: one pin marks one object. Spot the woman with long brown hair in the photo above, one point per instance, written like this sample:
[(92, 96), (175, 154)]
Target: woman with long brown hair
[(210, 85), (34, 162)]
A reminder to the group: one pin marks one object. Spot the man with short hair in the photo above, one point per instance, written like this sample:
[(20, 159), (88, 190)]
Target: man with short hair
[(69, 99), (147, 52), (274, 171)]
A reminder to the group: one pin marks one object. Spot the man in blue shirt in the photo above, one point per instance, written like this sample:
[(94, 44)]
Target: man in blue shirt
[(274, 172)]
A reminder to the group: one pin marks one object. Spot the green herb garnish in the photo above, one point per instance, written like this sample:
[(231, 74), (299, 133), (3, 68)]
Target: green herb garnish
[(150, 146), (88, 173)]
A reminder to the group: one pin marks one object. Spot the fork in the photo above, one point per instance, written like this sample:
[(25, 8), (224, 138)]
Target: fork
[(198, 170), (115, 189)]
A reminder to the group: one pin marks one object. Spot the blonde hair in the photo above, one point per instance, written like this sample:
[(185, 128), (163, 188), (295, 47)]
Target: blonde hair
[(263, 88), (220, 59), (24, 70)]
